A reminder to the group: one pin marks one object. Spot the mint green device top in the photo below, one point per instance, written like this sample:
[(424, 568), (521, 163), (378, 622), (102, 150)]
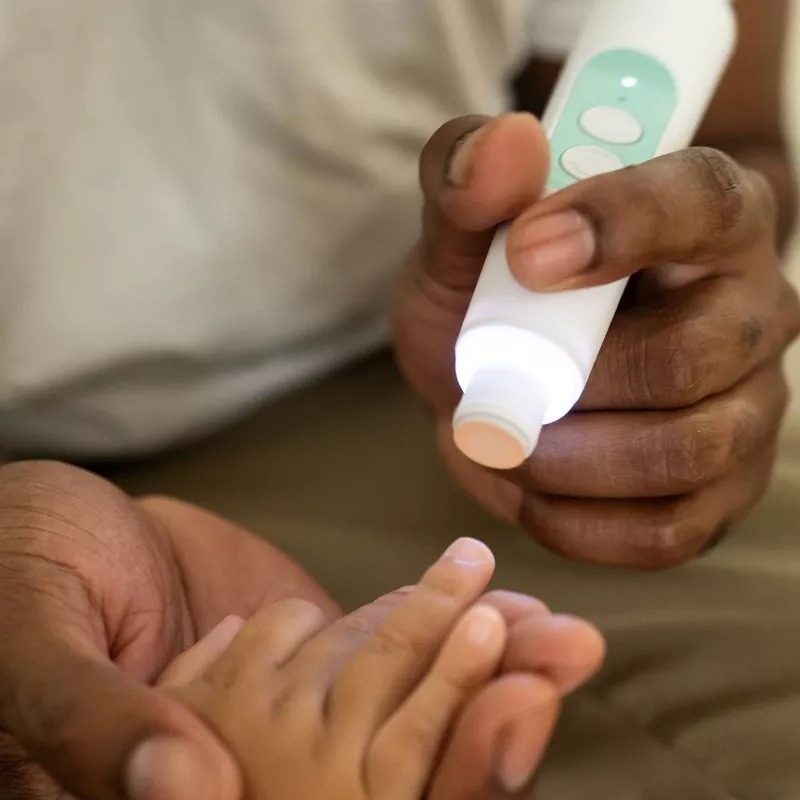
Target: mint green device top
[(630, 81)]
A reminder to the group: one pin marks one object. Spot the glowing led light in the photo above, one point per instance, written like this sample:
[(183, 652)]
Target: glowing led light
[(630, 82)]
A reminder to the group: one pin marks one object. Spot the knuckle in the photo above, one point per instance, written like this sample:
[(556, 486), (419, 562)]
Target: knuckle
[(625, 368), (369, 619), (362, 625), (686, 378), (606, 201), (553, 525), (752, 420), (663, 535), (414, 739), (671, 541), (721, 181), (286, 704), (674, 372), (393, 641), (220, 681), (700, 447)]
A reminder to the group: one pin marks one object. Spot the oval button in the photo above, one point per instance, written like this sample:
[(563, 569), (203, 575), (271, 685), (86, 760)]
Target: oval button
[(611, 125), (586, 162)]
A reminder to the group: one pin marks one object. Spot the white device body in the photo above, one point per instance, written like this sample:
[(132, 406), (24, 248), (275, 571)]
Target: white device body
[(523, 358)]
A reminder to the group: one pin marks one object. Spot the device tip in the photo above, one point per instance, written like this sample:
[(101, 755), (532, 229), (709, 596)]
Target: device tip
[(489, 445)]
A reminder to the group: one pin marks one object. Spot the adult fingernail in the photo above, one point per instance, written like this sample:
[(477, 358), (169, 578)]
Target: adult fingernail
[(168, 769), (469, 552), (553, 250), (517, 764), (460, 165), (522, 602)]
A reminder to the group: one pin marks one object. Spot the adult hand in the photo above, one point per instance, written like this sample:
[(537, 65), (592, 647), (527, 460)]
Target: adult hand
[(675, 435), (100, 592)]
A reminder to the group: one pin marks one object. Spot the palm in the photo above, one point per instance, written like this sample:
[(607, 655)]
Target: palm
[(136, 582)]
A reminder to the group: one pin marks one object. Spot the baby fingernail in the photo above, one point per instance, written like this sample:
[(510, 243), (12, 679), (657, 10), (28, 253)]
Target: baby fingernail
[(469, 552), (555, 249), (482, 624), (167, 768), (516, 767), (521, 602)]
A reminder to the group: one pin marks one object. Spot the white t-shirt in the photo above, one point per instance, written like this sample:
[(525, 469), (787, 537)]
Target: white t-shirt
[(203, 204)]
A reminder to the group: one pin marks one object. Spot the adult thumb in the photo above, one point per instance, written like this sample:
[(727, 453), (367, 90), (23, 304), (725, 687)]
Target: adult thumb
[(475, 174), (102, 735)]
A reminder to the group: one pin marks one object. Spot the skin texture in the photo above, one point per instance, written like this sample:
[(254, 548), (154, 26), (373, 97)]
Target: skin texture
[(100, 593), (675, 435)]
